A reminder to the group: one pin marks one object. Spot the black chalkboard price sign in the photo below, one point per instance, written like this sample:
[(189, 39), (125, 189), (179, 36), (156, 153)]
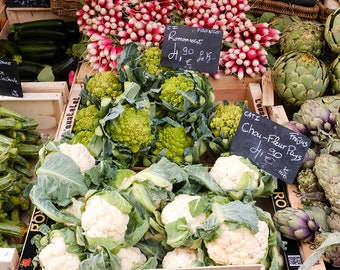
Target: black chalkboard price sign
[(10, 84), (191, 48), (270, 146)]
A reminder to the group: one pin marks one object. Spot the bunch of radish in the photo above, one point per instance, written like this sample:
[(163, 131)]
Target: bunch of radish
[(110, 24)]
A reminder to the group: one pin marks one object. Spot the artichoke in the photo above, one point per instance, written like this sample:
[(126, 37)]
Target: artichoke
[(295, 224), (332, 252), (318, 119), (332, 33), (281, 21), (309, 186), (299, 76), (333, 221), (334, 76), (303, 36), (327, 170)]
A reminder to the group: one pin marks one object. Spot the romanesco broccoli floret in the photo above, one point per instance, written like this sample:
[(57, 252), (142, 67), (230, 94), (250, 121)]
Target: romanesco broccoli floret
[(133, 128), (151, 60), (171, 87), (85, 118), (226, 119), (83, 137), (174, 141), (105, 84)]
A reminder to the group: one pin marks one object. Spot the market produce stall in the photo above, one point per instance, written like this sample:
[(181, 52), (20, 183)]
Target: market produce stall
[(279, 67)]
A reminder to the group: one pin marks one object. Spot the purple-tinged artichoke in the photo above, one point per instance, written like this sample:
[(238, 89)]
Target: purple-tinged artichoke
[(327, 170), (295, 224), (332, 252), (299, 76), (296, 126), (311, 154), (318, 119)]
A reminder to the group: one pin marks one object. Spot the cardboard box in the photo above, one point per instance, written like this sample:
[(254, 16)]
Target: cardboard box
[(44, 101)]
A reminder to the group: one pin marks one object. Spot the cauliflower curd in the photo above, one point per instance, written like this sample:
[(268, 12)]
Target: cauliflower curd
[(232, 172), (239, 247), (181, 257), (179, 208), (131, 257), (79, 154), (101, 219), (54, 255)]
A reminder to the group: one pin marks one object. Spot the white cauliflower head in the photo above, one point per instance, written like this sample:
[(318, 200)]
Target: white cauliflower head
[(179, 208), (55, 257), (240, 246), (181, 257), (131, 257), (102, 219), (79, 154), (234, 171)]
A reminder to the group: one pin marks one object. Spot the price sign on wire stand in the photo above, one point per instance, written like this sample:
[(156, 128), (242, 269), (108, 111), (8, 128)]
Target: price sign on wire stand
[(270, 146), (10, 84), (191, 48)]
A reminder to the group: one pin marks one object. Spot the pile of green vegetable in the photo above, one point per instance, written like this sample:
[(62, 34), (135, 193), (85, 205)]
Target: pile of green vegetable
[(146, 112), (19, 144), (318, 181), (164, 216), (42, 49)]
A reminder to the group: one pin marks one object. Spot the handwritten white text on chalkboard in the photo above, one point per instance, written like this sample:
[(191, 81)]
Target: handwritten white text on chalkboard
[(191, 48), (274, 148)]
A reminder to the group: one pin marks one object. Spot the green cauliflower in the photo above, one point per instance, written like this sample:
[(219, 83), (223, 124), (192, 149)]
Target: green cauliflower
[(85, 118), (132, 128), (105, 84), (173, 141), (173, 87), (87, 130), (151, 60), (226, 119), (219, 125)]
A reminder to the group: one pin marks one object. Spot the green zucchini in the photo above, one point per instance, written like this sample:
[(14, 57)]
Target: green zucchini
[(6, 112), (10, 228), (47, 58), (37, 23), (41, 48), (10, 123), (62, 68), (35, 41), (29, 68), (7, 141), (8, 49), (6, 181), (36, 32), (28, 150)]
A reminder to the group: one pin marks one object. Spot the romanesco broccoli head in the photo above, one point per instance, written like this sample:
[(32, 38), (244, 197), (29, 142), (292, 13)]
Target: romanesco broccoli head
[(85, 118), (105, 84), (83, 137), (173, 140), (151, 60), (226, 119), (170, 89), (133, 128)]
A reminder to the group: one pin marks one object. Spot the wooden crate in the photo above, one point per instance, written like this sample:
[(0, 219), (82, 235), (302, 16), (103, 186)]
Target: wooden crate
[(19, 15), (45, 102)]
